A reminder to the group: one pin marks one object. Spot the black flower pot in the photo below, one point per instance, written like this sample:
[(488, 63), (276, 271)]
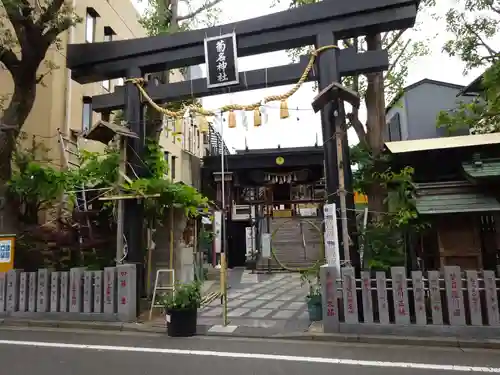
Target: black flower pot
[(181, 322)]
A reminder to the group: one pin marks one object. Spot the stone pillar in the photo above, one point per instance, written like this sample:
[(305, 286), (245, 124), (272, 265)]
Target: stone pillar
[(110, 290), (98, 281), (23, 292), (3, 291), (54, 291), (400, 295), (76, 290), (64, 292), (329, 299), (13, 290), (454, 294), (88, 297), (127, 292), (32, 284), (43, 298)]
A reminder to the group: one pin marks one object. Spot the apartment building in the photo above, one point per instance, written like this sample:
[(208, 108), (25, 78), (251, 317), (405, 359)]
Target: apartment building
[(184, 153), (413, 113), (62, 104)]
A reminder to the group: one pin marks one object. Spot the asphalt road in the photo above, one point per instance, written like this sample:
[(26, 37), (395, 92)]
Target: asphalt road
[(49, 352)]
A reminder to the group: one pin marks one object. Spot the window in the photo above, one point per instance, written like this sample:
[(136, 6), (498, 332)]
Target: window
[(166, 156), (108, 34), (87, 113), (172, 167), (90, 25), (395, 128)]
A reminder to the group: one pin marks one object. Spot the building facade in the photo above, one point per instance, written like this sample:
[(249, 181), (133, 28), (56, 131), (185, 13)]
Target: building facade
[(413, 114), (64, 105)]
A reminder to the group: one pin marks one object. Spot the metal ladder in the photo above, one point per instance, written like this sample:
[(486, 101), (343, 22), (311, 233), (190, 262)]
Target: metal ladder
[(71, 148), (159, 287)]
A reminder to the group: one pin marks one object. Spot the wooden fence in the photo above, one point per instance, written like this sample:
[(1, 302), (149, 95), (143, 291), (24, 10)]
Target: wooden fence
[(431, 302), (79, 294)]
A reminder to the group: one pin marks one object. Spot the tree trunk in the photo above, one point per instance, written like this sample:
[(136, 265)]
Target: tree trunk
[(375, 107), (11, 123)]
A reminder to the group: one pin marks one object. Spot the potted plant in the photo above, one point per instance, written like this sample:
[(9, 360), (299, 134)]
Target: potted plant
[(181, 309), (313, 297)]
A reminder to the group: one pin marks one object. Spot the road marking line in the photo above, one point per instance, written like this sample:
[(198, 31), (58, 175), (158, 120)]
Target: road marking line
[(276, 357)]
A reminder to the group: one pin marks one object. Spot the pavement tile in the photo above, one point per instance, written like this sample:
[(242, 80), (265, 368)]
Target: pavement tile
[(260, 313), (249, 296), (235, 302), (284, 314), (286, 297), (273, 304), (265, 297), (213, 312), (238, 312), (252, 304), (295, 306)]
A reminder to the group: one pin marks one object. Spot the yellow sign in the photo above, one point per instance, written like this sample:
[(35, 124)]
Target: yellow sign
[(7, 244), (280, 160), (360, 198)]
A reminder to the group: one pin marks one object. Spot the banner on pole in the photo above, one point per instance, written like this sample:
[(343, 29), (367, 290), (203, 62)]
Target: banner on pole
[(332, 253), (217, 231)]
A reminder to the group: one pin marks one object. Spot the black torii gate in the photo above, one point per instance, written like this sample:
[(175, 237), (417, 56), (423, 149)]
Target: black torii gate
[(318, 24)]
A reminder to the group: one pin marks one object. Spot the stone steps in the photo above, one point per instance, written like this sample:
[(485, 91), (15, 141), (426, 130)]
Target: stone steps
[(288, 243)]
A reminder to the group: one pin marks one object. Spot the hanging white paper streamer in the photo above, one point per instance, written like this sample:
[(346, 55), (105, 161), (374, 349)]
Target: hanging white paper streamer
[(218, 121), (244, 119), (263, 112)]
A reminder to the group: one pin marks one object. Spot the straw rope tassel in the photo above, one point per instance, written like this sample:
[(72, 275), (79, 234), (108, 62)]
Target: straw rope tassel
[(139, 82), (284, 113)]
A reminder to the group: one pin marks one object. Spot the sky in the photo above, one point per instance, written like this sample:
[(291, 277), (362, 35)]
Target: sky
[(303, 127)]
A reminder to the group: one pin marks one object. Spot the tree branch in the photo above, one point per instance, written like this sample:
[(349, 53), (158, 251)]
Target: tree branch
[(9, 59), (490, 50), (19, 16), (194, 13), (51, 12), (396, 60), (357, 125), (396, 38)]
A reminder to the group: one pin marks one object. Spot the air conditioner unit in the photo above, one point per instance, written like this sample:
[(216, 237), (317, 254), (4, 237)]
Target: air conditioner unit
[(242, 212)]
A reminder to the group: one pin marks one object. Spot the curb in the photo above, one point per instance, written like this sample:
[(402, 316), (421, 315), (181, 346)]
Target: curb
[(319, 337)]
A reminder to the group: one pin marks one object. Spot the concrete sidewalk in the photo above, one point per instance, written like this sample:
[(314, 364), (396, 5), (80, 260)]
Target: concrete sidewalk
[(263, 333)]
